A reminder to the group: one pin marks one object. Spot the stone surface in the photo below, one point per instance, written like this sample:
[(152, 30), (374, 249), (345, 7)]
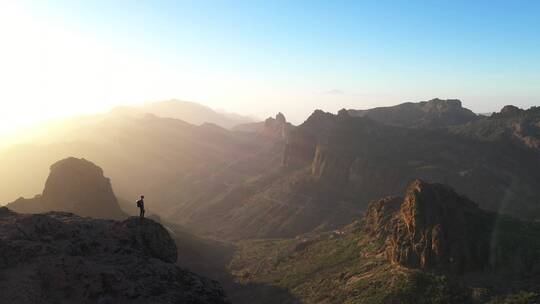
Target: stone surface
[(59, 257)]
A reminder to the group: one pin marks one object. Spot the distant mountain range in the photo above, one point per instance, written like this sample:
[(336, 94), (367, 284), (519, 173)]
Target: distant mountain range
[(274, 179), (191, 112), (332, 166)]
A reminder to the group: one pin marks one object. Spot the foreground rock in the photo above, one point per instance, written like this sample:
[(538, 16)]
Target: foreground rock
[(74, 185), (59, 257)]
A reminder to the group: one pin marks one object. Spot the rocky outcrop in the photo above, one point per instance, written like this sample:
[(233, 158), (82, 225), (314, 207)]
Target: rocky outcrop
[(435, 228), (77, 186), (59, 257), (277, 128)]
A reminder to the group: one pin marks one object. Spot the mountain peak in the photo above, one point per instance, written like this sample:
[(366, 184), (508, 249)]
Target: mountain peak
[(281, 118)]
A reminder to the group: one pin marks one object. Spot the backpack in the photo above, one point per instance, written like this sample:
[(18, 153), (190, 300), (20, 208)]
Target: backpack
[(139, 203)]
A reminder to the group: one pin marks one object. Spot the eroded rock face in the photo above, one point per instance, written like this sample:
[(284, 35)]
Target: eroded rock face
[(437, 227), (378, 221), (432, 227), (59, 257), (277, 127), (77, 186)]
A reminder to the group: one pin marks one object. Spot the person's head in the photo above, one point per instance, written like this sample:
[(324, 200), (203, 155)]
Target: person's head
[(142, 196)]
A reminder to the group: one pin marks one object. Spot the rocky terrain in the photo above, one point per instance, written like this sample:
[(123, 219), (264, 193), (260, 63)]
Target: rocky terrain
[(431, 246), (59, 257), (77, 186)]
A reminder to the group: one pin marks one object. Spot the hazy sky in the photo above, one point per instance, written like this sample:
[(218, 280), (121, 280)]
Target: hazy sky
[(59, 58)]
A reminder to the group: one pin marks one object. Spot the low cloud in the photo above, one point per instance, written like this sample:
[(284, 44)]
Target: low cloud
[(333, 92)]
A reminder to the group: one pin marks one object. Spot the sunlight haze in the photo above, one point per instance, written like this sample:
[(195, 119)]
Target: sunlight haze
[(69, 58)]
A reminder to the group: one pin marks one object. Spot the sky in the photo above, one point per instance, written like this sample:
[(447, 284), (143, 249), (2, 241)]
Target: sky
[(63, 58)]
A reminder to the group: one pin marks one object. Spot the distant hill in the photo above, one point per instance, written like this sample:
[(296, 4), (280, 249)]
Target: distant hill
[(191, 112), (431, 246), (432, 113)]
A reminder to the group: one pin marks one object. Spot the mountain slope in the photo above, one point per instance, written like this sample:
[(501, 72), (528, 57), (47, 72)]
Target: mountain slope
[(432, 246)]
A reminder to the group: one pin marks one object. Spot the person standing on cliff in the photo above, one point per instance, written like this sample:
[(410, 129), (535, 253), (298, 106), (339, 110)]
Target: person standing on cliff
[(140, 205)]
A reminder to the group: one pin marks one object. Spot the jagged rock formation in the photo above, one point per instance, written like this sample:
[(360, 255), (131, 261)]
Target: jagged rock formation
[(433, 227), (59, 257), (77, 186), (277, 127), (432, 113)]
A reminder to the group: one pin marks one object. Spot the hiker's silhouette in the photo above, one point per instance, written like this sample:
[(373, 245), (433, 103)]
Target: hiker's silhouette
[(140, 204)]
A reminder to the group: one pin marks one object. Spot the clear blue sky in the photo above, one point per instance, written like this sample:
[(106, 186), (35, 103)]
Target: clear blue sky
[(260, 57)]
